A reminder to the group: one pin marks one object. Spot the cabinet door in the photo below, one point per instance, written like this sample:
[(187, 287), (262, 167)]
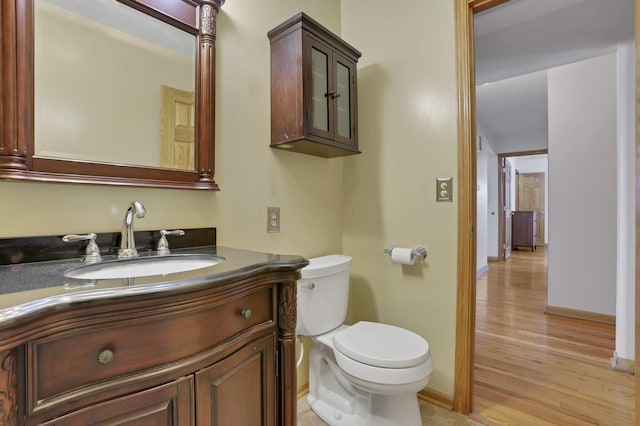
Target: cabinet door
[(169, 404), (344, 100), (332, 93), (320, 89), (240, 389)]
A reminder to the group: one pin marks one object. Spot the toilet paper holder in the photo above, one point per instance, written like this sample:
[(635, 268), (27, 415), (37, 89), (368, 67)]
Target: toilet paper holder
[(416, 253)]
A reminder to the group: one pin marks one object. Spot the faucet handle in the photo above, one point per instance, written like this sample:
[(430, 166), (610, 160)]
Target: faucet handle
[(163, 244), (92, 254)]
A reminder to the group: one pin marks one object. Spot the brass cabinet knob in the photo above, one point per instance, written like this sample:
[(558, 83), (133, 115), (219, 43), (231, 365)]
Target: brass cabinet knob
[(246, 313), (105, 357)]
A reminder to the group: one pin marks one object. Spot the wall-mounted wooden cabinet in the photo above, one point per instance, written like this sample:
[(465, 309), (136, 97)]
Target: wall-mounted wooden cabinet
[(314, 106)]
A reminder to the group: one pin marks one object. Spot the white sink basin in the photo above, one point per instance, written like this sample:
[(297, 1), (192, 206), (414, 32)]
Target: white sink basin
[(143, 266)]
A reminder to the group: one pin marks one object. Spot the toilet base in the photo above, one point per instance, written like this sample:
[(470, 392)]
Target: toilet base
[(339, 402), (385, 411)]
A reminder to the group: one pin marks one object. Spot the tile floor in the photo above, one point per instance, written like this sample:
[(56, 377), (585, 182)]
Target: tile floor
[(431, 415)]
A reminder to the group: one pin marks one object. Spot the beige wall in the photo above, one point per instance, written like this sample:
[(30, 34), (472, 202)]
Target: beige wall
[(386, 195), (307, 189), (31, 208), (251, 175), (407, 121)]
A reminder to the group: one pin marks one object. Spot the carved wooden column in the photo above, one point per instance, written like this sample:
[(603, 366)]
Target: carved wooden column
[(16, 91), (287, 387), (8, 388), (205, 88)]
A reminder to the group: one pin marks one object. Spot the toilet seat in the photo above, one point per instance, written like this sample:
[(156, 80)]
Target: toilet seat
[(419, 360), (382, 375), (382, 345)]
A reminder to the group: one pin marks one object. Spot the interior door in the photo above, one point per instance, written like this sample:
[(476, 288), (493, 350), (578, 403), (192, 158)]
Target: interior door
[(531, 198), (177, 146), (506, 206)]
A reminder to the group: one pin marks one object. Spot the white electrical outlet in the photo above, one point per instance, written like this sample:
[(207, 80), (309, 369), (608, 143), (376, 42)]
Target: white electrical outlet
[(444, 189), (273, 219)]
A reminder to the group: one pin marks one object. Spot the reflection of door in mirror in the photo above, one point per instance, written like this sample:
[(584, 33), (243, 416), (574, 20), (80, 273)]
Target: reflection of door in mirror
[(98, 69), (178, 129)]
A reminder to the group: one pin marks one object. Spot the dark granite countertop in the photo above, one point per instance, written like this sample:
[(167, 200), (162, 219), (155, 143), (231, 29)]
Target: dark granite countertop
[(32, 289)]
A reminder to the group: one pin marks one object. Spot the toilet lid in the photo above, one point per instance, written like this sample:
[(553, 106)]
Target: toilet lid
[(382, 345)]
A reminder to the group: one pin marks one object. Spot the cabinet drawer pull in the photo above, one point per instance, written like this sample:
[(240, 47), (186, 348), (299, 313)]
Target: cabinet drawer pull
[(246, 313), (105, 357)]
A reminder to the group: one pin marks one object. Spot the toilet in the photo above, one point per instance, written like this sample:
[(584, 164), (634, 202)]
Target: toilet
[(364, 374)]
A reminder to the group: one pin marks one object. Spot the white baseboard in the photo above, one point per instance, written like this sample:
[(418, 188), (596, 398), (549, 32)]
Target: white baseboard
[(623, 365), (482, 270), (585, 315)]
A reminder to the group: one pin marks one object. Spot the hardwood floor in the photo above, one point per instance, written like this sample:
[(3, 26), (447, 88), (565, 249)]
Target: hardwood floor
[(537, 369)]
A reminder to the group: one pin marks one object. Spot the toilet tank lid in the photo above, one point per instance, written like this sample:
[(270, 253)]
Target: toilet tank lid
[(326, 265)]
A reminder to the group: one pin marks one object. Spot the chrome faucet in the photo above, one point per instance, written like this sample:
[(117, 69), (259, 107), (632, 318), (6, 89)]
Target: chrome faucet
[(127, 240)]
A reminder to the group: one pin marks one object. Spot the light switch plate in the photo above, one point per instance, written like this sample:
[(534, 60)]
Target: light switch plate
[(273, 219), (444, 189)]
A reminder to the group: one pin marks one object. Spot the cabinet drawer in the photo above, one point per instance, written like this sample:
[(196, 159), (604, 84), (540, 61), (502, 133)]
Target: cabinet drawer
[(79, 358)]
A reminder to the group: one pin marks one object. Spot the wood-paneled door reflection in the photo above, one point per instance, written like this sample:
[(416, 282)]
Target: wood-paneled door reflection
[(530, 197), (178, 136)]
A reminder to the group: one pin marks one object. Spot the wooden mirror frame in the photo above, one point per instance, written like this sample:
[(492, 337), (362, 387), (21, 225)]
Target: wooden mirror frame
[(17, 158)]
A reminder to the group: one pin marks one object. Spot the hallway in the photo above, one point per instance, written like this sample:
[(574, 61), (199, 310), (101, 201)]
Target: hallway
[(537, 369)]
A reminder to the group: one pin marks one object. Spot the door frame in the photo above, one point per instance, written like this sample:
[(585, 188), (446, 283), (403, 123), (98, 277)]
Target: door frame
[(466, 263), (501, 248)]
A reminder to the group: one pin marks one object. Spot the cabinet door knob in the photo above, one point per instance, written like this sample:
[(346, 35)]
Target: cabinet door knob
[(331, 93), (246, 313), (105, 357)]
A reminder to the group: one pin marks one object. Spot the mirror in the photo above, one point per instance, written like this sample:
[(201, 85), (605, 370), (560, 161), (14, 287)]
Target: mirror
[(90, 107), (110, 92)]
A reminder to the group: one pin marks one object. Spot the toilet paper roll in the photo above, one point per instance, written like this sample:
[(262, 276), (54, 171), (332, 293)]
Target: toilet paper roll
[(402, 256)]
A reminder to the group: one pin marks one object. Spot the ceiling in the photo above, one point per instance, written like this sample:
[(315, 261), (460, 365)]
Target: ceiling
[(518, 41)]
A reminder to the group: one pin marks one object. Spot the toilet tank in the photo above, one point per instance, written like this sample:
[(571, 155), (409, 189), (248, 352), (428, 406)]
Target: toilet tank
[(323, 294)]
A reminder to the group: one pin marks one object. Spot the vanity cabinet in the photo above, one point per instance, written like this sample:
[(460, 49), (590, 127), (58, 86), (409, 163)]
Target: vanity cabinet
[(219, 353), (313, 90)]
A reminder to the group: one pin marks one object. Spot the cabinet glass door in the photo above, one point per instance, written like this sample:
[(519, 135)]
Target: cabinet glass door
[(319, 90), (344, 96), (343, 115), (330, 82)]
